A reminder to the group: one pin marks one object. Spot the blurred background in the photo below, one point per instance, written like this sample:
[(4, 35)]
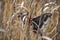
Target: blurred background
[(13, 27)]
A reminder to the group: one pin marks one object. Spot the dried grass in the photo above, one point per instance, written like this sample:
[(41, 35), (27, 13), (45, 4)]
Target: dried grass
[(12, 28)]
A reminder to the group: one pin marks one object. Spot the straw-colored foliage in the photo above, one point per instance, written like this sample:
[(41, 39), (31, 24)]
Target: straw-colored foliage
[(13, 27)]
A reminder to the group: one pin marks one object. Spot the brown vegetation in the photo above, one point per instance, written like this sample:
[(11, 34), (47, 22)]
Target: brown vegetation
[(12, 27)]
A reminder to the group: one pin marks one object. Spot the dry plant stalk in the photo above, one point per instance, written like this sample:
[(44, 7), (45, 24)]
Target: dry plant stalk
[(13, 32)]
